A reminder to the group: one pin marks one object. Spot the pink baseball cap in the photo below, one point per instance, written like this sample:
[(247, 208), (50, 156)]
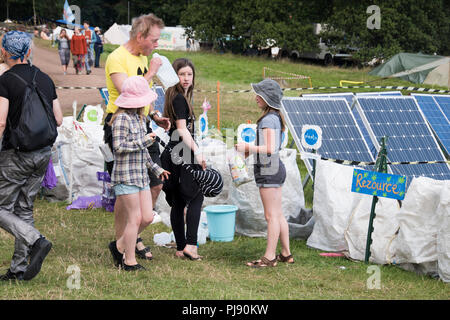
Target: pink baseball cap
[(136, 93)]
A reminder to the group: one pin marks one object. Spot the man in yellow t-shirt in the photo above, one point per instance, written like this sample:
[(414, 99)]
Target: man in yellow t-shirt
[(122, 62), (128, 60)]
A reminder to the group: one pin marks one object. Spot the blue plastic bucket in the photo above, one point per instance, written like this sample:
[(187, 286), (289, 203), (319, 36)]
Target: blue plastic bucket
[(221, 222)]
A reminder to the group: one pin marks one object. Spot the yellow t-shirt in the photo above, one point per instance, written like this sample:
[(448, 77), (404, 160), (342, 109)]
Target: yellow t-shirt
[(122, 61)]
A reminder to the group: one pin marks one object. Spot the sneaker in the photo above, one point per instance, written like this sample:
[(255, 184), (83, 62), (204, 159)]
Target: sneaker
[(88, 72), (39, 251), (11, 276)]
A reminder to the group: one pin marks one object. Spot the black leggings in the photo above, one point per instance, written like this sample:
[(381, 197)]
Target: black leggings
[(192, 219)]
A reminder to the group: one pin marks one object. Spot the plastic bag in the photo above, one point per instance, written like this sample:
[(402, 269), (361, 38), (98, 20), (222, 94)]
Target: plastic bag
[(86, 203), (238, 168), (50, 180), (108, 198)]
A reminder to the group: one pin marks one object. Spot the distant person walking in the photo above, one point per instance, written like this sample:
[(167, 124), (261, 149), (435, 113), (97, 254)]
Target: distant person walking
[(63, 42), (21, 173), (78, 48), (90, 39), (270, 172), (98, 47)]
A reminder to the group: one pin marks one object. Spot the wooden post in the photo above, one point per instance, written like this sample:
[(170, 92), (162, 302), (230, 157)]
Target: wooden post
[(34, 13), (218, 105)]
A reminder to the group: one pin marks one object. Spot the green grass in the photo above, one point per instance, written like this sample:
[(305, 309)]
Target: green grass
[(81, 237)]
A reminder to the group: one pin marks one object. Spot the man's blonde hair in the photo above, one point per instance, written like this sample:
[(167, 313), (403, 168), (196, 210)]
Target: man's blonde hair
[(143, 24)]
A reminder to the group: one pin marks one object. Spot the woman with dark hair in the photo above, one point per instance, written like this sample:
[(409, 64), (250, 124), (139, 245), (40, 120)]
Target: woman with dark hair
[(63, 41), (178, 108)]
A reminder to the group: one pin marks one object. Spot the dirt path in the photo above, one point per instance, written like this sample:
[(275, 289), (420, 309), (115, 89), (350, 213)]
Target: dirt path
[(48, 61)]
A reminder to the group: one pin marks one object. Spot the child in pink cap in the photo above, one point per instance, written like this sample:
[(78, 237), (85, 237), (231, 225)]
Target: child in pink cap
[(130, 176)]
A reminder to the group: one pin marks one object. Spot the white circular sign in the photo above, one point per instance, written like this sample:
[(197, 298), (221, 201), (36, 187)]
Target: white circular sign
[(311, 137), (247, 133), (93, 114), (203, 125)]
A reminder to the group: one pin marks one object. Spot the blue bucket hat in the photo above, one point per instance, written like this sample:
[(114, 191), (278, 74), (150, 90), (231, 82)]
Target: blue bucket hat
[(17, 43)]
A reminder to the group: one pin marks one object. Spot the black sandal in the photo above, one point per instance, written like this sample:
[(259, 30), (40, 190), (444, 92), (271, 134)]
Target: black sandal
[(142, 253)]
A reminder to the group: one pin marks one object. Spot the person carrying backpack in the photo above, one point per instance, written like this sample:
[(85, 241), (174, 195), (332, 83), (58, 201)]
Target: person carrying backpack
[(29, 114)]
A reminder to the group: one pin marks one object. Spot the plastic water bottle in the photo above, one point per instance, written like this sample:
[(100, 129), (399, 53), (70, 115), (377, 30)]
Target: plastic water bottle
[(166, 74), (203, 232)]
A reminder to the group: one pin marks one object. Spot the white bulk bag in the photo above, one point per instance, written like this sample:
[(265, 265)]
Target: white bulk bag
[(415, 247), (443, 234), (332, 206), (85, 156), (250, 219), (385, 226)]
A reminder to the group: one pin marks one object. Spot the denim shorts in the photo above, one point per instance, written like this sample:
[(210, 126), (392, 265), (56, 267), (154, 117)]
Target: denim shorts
[(121, 189), (274, 180)]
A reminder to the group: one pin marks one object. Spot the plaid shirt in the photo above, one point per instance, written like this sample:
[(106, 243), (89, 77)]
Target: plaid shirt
[(131, 157)]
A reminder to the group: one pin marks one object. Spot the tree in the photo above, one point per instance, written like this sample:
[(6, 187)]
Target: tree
[(254, 22), (411, 26)]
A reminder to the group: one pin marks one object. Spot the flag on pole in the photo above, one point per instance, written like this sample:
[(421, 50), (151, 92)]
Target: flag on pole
[(67, 14)]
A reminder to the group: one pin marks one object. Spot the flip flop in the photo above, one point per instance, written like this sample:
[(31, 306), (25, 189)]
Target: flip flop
[(187, 255)]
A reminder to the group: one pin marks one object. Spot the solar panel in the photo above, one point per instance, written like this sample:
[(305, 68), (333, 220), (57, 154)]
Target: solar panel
[(346, 95), (382, 93), (349, 96), (341, 136), (159, 104), (444, 103), (435, 117), (105, 95), (409, 136)]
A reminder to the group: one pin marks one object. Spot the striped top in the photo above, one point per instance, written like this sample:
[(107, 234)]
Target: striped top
[(131, 157)]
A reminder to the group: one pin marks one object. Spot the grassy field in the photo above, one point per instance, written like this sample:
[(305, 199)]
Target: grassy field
[(80, 237)]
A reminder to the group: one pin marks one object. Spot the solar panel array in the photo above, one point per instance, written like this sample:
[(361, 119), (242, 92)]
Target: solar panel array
[(435, 117), (341, 136), (409, 136), (349, 96)]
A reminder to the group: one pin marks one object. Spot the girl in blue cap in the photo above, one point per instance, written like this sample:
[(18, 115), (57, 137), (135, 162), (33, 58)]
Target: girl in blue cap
[(270, 172)]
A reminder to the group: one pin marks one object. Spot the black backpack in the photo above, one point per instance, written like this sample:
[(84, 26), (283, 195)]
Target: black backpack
[(36, 127)]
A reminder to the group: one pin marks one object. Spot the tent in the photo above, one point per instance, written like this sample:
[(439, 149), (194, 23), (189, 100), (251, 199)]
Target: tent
[(172, 38), (117, 34), (417, 68)]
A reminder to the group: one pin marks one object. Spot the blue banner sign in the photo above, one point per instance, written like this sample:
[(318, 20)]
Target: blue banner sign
[(379, 184)]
